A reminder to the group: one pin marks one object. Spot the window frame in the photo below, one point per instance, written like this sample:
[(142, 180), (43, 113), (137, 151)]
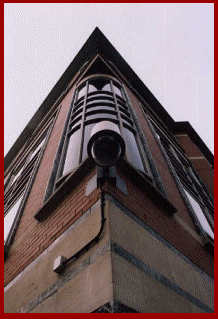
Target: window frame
[(82, 105), (24, 162), (177, 160), (188, 194)]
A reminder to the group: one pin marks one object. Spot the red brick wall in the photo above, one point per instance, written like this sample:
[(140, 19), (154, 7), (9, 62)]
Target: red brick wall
[(165, 225), (38, 190), (172, 191), (31, 242), (33, 237)]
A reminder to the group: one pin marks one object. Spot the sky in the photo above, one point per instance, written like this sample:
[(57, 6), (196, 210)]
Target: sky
[(170, 46)]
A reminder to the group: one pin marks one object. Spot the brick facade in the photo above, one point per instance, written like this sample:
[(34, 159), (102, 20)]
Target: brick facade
[(141, 218), (32, 237)]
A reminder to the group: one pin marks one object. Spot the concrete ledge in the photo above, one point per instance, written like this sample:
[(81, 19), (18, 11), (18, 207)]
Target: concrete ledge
[(159, 277)]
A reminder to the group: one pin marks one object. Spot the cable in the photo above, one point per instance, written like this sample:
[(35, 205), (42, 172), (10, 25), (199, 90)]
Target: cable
[(96, 238)]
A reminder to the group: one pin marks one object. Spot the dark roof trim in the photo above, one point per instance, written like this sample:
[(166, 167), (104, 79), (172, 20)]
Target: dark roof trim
[(186, 128), (97, 42)]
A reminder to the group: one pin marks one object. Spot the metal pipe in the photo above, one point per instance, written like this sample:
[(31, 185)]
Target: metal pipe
[(96, 238)]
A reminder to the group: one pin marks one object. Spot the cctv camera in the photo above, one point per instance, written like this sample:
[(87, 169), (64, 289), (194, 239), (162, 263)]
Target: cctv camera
[(106, 145)]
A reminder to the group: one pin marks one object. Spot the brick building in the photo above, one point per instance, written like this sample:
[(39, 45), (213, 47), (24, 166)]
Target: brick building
[(142, 241)]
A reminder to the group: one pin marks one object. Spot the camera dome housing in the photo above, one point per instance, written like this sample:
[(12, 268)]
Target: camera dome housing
[(106, 145)]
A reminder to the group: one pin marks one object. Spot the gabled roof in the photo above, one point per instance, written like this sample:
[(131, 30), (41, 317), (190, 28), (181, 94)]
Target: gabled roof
[(98, 43)]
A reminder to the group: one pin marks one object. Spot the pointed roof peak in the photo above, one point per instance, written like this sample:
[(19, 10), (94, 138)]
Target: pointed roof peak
[(96, 43)]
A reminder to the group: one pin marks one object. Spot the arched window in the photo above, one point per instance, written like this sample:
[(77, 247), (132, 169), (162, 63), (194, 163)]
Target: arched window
[(99, 99)]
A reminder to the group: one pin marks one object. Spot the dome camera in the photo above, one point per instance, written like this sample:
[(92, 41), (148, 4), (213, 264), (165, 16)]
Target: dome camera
[(106, 145)]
